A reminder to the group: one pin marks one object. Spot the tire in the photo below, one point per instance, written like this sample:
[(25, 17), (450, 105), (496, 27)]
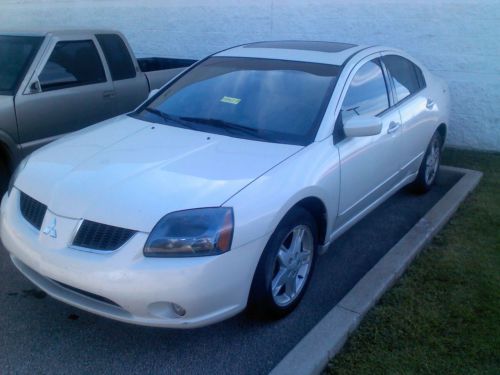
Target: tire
[(4, 176), (429, 168), (285, 266)]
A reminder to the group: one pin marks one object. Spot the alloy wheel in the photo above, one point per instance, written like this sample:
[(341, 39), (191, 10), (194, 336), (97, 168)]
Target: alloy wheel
[(292, 265), (432, 162)]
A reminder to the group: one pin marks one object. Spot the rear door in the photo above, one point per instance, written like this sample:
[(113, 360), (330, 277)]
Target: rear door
[(69, 90), (418, 111), (130, 85), (369, 165)]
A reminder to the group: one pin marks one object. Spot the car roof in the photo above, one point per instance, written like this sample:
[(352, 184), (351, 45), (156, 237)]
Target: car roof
[(60, 33), (296, 50)]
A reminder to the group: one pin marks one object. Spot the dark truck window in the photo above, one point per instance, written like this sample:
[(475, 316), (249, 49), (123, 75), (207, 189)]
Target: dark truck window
[(16, 55), (270, 100), (117, 55), (71, 64), (406, 76)]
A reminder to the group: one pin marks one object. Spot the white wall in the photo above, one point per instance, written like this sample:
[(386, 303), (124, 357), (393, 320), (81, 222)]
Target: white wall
[(457, 39)]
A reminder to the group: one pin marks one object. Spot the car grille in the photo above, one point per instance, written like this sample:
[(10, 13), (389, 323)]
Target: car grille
[(32, 210), (104, 237)]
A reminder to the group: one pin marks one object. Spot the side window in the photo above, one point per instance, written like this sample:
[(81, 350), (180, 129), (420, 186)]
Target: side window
[(117, 55), (72, 64), (367, 93), (406, 76)]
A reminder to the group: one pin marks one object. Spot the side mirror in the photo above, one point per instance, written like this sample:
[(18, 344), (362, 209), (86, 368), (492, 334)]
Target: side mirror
[(362, 126), (152, 93), (35, 87)]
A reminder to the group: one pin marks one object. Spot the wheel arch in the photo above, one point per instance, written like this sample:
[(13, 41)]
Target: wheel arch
[(442, 129), (317, 209), (8, 151)]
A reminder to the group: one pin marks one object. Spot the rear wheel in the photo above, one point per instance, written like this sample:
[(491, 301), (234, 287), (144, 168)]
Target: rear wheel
[(285, 267), (429, 168)]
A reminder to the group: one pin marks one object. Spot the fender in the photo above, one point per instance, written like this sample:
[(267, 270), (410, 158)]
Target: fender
[(315, 172)]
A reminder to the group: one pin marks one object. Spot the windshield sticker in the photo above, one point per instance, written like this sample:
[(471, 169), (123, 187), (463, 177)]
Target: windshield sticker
[(228, 99)]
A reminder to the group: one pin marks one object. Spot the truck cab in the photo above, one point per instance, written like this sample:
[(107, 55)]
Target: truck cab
[(56, 82)]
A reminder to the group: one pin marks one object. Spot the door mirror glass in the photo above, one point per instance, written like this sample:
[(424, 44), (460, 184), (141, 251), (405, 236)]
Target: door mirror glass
[(362, 126), (152, 93)]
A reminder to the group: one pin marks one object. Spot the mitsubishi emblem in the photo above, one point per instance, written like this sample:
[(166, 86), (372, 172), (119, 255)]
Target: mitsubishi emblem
[(51, 229)]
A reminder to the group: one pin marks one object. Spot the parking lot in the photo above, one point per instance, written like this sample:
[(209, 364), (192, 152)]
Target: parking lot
[(42, 335)]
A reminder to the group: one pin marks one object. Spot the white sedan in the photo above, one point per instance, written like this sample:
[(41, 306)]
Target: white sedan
[(222, 189)]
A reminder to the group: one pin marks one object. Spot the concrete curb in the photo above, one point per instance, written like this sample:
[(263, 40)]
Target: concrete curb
[(324, 341)]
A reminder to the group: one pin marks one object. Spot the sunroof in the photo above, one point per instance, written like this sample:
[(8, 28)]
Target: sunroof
[(303, 45)]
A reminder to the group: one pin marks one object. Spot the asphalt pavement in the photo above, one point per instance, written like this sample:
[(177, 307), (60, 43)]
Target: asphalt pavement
[(41, 335)]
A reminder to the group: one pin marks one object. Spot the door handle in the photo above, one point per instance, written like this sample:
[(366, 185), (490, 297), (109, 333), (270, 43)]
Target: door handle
[(393, 127), (109, 94), (430, 104)]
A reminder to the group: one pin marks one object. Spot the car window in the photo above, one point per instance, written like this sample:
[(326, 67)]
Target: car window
[(367, 93), (406, 77), (16, 54), (72, 64), (117, 55), (276, 100)]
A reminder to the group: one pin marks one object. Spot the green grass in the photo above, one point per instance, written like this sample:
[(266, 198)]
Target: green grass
[(443, 316)]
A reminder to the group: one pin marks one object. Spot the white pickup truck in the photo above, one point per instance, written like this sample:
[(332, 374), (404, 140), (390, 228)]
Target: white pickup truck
[(56, 82)]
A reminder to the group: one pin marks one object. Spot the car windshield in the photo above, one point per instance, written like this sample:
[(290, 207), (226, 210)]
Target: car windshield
[(16, 53), (264, 99)]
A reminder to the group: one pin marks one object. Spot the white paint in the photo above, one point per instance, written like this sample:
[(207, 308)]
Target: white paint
[(457, 39), (158, 170)]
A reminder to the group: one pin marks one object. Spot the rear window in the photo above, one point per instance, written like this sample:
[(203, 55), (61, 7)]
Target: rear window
[(275, 100), (16, 54), (117, 55)]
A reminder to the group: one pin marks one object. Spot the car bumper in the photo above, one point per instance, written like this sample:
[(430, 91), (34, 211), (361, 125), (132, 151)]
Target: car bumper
[(123, 284)]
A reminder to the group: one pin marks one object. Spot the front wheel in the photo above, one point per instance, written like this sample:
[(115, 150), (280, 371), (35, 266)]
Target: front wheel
[(429, 168), (4, 176), (285, 267)]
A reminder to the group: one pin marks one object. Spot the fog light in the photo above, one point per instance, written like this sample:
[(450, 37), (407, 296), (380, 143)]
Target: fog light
[(165, 309), (179, 310)]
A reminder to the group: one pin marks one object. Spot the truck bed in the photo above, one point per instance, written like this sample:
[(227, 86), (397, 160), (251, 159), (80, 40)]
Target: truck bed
[(150, 64), (159, 70)]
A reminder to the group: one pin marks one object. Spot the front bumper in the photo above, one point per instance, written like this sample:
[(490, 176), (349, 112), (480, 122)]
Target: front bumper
[(124, 285)]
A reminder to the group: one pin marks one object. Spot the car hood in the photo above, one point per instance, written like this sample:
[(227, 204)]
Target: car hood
[(130, 173)]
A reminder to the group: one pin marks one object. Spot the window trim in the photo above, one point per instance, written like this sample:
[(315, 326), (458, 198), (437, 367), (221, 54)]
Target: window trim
[(422, 85), (69, 86)]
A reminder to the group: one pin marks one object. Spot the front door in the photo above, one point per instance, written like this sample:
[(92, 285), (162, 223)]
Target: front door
[(369, 166), (70, 90)]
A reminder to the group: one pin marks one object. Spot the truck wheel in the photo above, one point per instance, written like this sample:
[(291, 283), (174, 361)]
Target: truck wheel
[(4, 175), (285, 267), (429, 167)]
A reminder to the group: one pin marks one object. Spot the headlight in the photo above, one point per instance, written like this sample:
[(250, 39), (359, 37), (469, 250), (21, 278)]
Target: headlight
[(18, 170), (198, 232)]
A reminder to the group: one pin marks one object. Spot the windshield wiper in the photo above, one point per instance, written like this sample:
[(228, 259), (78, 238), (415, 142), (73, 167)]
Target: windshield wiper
[(169, 118), (227, 126)]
